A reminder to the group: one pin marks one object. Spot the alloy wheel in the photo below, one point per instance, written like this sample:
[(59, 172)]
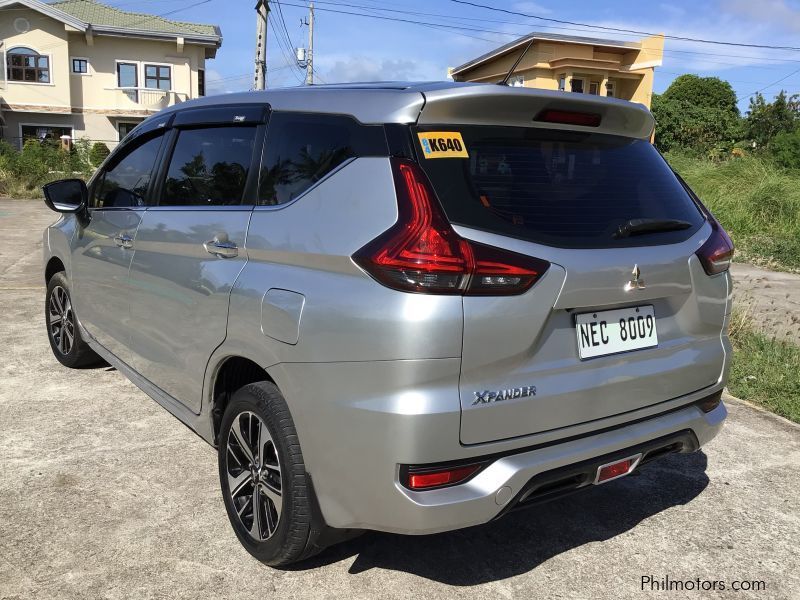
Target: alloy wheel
[(61, 320), (254, 476)]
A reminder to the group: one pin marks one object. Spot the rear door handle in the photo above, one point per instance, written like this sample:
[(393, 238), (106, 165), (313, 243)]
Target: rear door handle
[(221, 247), (123, 240)]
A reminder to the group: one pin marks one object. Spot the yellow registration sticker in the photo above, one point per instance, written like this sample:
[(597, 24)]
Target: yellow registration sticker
[(442, 144)]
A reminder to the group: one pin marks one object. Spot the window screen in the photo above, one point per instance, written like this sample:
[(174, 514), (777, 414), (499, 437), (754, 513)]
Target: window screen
[(127, 177), (209, 167), (302, 149), (565, 189)]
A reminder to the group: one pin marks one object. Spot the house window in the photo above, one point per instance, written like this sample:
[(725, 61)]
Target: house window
[(80, 65), (562, 83), (158, 77), (594, 88), (576, 85), (201, 82), (124, 129), (517, 81), (43, 133), (25, 64), (610, 89), (128, 77)]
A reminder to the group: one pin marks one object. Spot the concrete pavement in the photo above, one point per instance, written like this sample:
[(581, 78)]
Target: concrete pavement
[(103, 494)]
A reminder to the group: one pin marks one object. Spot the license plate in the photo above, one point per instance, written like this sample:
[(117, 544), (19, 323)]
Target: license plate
[(613, 331)]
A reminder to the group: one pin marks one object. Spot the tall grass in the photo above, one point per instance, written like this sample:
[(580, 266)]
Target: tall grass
[(765, 370), (756, 201)]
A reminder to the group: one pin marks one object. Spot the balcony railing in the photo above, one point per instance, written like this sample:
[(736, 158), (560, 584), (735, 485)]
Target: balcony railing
[(150, 99)]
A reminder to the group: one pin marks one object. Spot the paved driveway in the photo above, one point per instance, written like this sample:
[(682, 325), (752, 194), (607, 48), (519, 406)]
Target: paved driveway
[(104, 495)]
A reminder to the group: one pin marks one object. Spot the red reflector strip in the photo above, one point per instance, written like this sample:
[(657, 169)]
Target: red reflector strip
[(616, 469), (431, 479), (568, 118)]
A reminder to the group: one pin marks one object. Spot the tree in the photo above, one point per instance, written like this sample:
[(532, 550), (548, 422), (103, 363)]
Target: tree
[(696, 113), (785, 147), (706, 92), (766, 120)]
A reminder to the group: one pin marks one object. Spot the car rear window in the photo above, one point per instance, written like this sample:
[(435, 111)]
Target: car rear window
[(560, 188)]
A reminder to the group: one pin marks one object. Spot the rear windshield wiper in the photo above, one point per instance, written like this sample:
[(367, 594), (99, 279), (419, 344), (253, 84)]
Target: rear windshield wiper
[(642, 226)]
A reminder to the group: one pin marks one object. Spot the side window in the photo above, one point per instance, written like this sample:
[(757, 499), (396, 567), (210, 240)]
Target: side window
[(126, 178), (209, 167), (302, 148)]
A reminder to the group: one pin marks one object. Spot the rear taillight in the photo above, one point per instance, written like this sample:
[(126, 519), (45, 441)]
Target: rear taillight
[(716, 253), (422, 253)]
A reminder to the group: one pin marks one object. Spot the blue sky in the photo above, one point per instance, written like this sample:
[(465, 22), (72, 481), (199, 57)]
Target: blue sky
[(356, 48)]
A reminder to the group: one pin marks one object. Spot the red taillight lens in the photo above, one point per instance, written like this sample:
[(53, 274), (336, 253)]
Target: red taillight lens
[(433, 479), (716, 253), (567, 117), (422, 252)]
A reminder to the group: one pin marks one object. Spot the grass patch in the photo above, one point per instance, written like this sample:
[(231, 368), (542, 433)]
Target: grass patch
[(765, 370), (756, 201)]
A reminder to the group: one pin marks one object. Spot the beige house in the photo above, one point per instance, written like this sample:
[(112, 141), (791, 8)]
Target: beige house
[(84, 69), (575, 64)]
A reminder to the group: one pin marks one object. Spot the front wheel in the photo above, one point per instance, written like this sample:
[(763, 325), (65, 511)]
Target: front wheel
[(266, 491), (62, 327)]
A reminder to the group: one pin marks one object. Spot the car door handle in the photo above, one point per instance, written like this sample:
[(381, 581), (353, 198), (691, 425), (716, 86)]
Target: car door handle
[(123, 240), (222, 248)]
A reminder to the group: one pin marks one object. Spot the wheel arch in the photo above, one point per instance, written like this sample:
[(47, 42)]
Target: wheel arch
[(229, 374), (54, 265)]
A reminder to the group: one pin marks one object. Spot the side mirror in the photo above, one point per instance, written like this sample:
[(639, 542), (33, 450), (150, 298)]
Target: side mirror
[(66, 195)]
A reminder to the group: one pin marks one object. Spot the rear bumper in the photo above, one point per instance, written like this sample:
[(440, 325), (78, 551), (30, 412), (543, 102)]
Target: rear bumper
[(514, 480), (360, 422)]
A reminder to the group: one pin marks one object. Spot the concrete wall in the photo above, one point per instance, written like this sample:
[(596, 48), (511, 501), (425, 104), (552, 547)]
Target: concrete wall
[(631, 70), (47, 37), (89, 103)]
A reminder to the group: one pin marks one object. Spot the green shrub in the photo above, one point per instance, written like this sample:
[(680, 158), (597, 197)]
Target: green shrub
[(785, 149), (22, 173), (98, 153)]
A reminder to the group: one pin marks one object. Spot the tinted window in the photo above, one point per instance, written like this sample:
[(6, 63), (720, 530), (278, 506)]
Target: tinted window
[(302, 149), (209, 167), (564, 189), (127, 176)]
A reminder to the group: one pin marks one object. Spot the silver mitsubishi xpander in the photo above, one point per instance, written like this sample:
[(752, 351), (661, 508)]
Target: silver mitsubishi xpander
[(401, 307)]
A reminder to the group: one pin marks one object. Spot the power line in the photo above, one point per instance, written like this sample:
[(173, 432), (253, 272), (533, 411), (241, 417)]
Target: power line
[(631, 31)]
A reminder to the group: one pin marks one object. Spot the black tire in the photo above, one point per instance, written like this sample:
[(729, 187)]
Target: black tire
[(62, 329), (298, 525)]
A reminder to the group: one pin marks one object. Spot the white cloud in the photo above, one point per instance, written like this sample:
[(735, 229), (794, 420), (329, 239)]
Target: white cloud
[(772, 13), (352, 68), (531, 8)]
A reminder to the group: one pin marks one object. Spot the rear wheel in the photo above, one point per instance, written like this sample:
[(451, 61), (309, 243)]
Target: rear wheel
[(264, 484), (62, 327)]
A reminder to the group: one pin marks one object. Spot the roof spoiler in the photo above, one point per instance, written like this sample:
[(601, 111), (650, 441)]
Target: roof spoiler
[(498, 105)]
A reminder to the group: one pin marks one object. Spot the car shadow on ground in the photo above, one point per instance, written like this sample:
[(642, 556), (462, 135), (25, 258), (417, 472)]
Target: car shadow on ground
[(522, 540)]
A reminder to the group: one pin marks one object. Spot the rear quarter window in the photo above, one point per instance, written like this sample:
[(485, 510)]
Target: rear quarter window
[(560, 188), (302, 149)]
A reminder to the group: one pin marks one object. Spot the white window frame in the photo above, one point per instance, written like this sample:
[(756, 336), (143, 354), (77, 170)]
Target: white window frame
[(6, 79), (88, 65), (127, 62), (561, 78), (611, 86), (149, 63)]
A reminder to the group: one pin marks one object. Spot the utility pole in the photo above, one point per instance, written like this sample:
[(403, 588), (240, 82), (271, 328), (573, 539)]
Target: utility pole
[(262, 14), (310, 57)]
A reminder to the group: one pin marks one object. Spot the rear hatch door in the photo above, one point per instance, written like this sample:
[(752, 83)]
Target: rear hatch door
[(625, 317)]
